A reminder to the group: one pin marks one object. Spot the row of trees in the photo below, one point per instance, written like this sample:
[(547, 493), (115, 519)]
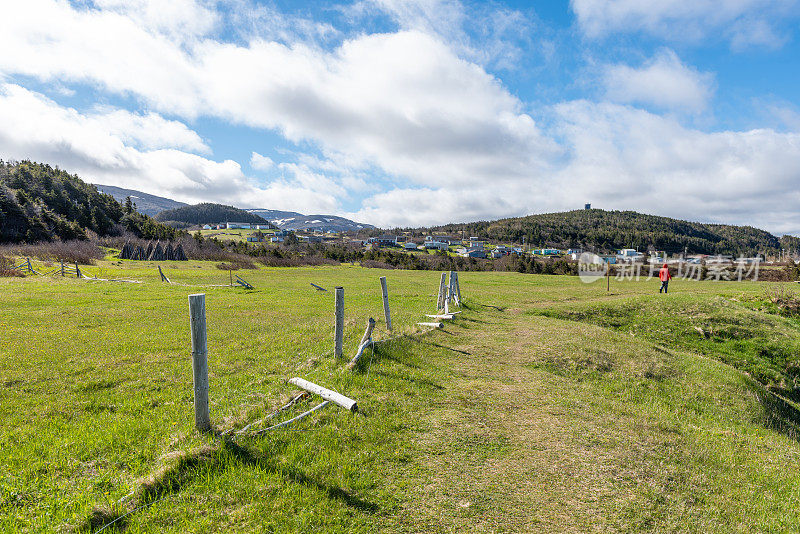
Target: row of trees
[(208, 213), (605, 231), (42, 203)]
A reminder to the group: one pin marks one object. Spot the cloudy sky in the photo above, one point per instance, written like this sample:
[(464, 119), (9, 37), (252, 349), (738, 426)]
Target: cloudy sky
[(416, 112)]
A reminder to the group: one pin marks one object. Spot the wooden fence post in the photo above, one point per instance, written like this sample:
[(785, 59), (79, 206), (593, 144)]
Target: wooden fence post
[(197, 318), (339, 331), (77, 271), (386, 313), (458, 291), (62, 268), (442, 292)]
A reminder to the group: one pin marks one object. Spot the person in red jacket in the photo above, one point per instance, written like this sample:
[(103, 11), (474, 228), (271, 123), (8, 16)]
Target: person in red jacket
[(665, 277)]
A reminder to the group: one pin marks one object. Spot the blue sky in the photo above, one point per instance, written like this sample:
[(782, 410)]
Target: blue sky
[(417, 112)]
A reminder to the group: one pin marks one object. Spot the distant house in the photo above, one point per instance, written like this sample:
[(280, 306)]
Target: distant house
[(410, 245), (436, 245), (237, 226), (474, 253), (255, 239), (502, 250), (438, 242), (206, 227), (575, 253), (310, 238), (276, 239), (629, 255), (443, 239), (476, 242), (547, 252), (262, 226), (384, 240)]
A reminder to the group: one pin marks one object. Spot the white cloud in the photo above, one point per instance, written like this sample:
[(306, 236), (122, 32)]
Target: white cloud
[(261, 163), (180, 19), (392, 100), (97, 149), (620, 157), (486, 33), (663, 81), (743, 22), (403, 107), (624, 158), (149, 131)]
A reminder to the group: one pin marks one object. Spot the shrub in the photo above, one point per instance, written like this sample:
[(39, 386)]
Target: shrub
[(7, 267), (75, 251)]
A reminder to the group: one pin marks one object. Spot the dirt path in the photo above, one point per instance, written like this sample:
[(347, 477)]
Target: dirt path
[(518, 448)]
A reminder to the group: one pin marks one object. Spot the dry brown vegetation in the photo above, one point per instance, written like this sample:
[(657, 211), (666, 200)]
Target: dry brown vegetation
[(76, 251)]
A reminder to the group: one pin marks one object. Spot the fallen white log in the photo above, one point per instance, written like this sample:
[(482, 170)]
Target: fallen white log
[(445, 316), (327, 394), (434, 325)]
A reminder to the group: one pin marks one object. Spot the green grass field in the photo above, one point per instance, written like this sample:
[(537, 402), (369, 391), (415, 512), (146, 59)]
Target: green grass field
[(547, 406)]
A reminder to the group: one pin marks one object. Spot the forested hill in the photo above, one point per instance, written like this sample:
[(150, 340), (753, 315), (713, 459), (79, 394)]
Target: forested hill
[(208, 213), (609, 230), (42, 203)]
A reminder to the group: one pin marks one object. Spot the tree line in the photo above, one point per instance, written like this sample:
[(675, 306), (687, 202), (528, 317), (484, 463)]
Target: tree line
[(605, 231), (43, 203)]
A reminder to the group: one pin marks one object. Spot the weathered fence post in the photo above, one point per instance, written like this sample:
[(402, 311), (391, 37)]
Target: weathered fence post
[(30, 268), (197, 319), (451, 287), (442, 292), (386, 313), (77, 270), (339, 332), (458, 290), (62, 268)]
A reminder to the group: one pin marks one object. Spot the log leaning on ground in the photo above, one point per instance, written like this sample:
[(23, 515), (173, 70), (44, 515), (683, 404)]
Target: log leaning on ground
[(325, 393), (243, 283), (433, 325), (197, 318), (442, 292), (366, 341), (163, 276), (455, 293)]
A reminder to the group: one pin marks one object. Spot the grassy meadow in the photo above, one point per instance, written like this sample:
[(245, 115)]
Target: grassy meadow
[(548, 405)]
